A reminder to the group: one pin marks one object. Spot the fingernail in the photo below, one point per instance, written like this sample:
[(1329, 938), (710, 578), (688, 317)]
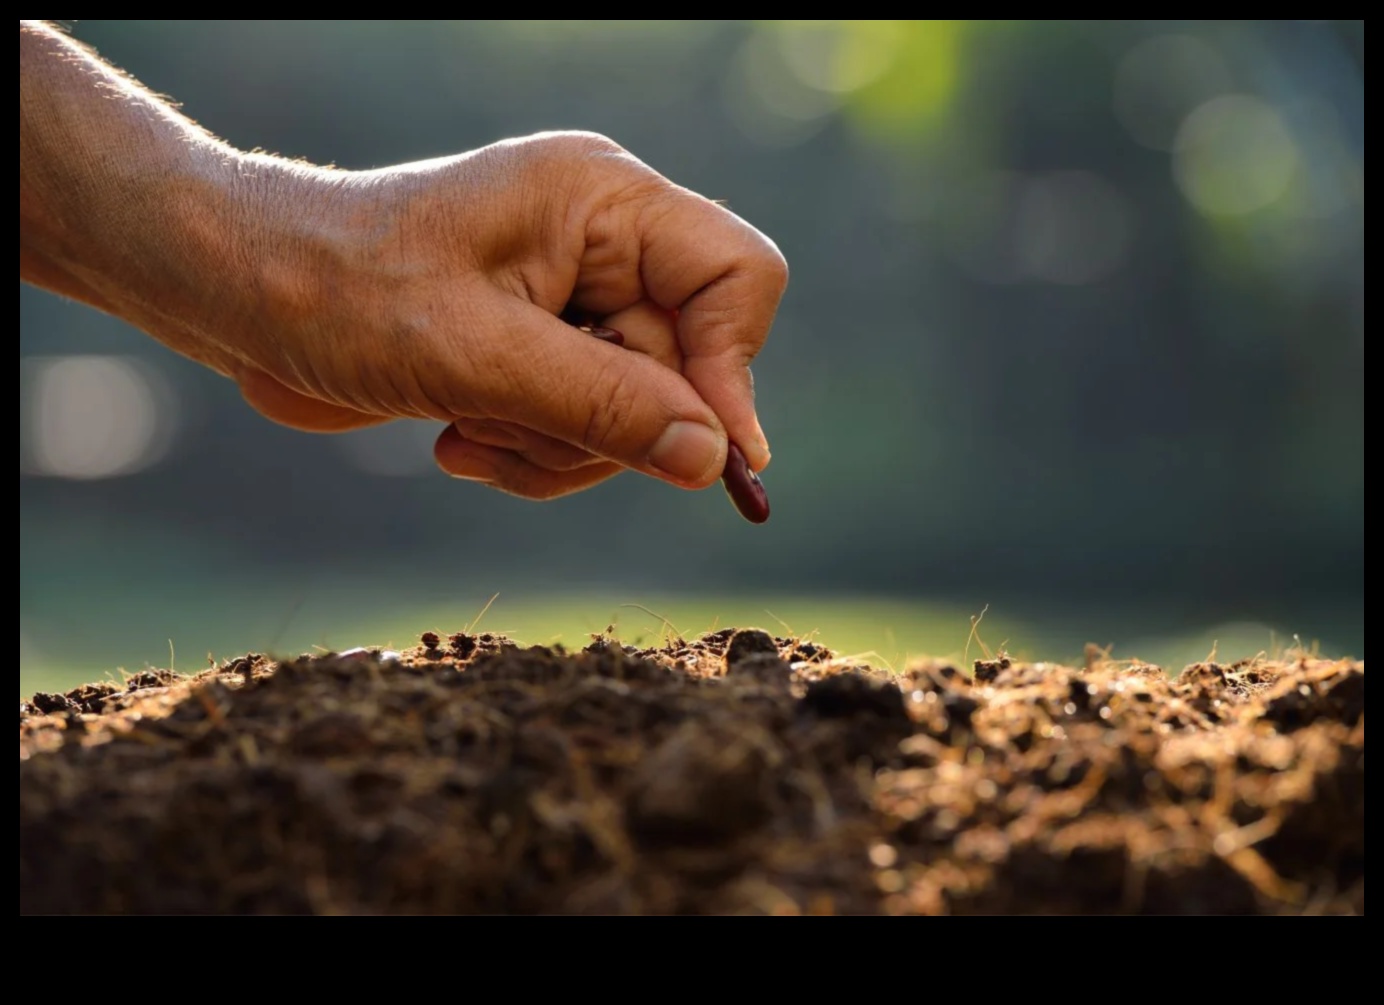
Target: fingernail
[(757, 450), (687, 451)]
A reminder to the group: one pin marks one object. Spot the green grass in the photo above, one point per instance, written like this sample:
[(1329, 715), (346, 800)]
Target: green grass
[(96, 599), (887, 632), (135, 629)]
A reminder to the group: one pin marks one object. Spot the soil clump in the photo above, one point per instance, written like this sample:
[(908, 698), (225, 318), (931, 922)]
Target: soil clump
[(739, 772)]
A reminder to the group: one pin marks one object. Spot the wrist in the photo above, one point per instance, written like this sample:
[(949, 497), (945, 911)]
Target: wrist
[(128, 206), (223, 249), (269, 231)]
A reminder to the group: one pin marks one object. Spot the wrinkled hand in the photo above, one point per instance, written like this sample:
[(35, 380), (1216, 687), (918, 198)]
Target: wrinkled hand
[(339, 299), (433, 290)]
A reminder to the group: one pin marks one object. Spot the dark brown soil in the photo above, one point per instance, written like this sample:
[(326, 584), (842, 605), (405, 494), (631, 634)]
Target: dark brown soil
[(735, 774)]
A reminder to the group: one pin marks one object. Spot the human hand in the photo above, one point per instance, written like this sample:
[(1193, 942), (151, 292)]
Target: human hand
[(433, 290), (340, 299)]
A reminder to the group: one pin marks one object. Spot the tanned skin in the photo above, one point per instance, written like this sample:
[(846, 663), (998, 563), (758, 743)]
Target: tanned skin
[(340, 299)]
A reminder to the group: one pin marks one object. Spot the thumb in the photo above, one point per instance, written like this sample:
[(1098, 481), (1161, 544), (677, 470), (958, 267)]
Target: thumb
[(618, 404)]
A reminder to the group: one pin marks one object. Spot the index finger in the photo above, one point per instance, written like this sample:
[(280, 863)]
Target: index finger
[(725, 279)]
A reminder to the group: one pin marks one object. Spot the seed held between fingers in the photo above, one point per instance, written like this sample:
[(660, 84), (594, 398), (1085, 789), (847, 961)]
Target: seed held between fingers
[(743, 486), (604, 334)]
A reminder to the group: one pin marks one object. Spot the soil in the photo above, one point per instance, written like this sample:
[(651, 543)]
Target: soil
[(736, 773)]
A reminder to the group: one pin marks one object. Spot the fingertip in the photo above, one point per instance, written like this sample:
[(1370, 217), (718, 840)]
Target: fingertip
[(624, 406), (510, 473), (462, 458), (756, 449), (728, 387)]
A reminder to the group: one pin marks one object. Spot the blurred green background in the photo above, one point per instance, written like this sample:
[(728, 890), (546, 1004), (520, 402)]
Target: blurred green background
[(1075, 331)]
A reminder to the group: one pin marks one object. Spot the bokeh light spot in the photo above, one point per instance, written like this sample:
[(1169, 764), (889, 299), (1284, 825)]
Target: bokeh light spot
[(839, 56), (768, 102), (94, 416), (920, 83), (1063, 227), (1234, 155), (1161, 80)]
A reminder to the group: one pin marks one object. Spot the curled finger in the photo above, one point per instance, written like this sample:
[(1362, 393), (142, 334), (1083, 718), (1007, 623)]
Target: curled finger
[(537, 448), (509, 472), (725, 279), (644, 327)]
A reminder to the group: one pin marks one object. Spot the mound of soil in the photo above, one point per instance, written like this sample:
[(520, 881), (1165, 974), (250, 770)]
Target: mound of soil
[(738, 773)]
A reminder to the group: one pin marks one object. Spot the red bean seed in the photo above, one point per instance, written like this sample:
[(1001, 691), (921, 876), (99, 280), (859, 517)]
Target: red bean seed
[(604, 334), (743, 486)]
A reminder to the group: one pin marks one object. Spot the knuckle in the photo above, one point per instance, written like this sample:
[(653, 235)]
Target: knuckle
[(776, 266), (586, 141), (571, 146), (764, 261), (580, 139)]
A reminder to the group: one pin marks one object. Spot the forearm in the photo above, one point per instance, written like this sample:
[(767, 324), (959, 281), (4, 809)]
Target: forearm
[(336, 299), (126, 204)]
